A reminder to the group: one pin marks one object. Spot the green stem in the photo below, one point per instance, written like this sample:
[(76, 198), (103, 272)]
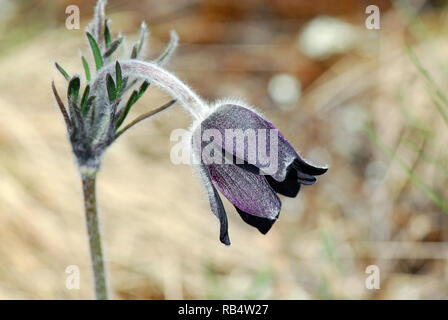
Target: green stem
[(94, 233)]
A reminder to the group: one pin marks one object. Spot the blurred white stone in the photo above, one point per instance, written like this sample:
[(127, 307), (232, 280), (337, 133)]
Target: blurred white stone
[(325, 36), (285, 90)]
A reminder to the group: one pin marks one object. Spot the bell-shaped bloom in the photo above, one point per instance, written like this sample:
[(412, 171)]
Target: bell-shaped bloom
[(245, 158)]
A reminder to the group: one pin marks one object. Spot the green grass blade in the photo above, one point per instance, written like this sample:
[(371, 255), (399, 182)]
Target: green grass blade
[(118, 78), (86, 68), (73, 89), (132, 99), (62, 71), (96, 51), (84, 100), (432, 83), (428, 159), (72, 96), (433, 195), (442, 110), (111, 89), (143, 88), (406, 109), (107, 37)]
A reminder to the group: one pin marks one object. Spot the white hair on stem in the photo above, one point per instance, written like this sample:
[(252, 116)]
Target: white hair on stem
[(158, 76), (169, 50), (96, 25), (144, 36)]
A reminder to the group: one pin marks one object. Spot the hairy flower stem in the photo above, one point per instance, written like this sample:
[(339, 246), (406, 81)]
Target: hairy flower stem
[(160, 77), (94, 234)]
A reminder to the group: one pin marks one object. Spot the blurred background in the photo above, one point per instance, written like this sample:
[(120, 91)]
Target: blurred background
[(344, 95)]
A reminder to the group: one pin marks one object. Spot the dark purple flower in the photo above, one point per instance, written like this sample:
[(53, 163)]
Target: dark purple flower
[(231, 163)]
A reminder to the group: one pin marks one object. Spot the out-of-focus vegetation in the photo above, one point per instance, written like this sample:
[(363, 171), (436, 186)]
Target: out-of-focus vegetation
[(354, 98)]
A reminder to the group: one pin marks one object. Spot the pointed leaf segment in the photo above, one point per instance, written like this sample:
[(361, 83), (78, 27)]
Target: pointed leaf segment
[(95, 51)]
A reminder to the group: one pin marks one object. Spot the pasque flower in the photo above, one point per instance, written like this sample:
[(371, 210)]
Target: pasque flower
[(243, 179), (98, 106)]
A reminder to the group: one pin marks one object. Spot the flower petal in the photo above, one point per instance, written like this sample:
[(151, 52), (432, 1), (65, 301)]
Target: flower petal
[(305, 167), (262, 224), (248, 191), (216, 206), (289, 187), (237, 117), (305, 179)]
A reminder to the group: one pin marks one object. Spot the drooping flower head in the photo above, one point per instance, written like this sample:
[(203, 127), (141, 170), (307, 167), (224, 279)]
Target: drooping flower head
[(244, 157)]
